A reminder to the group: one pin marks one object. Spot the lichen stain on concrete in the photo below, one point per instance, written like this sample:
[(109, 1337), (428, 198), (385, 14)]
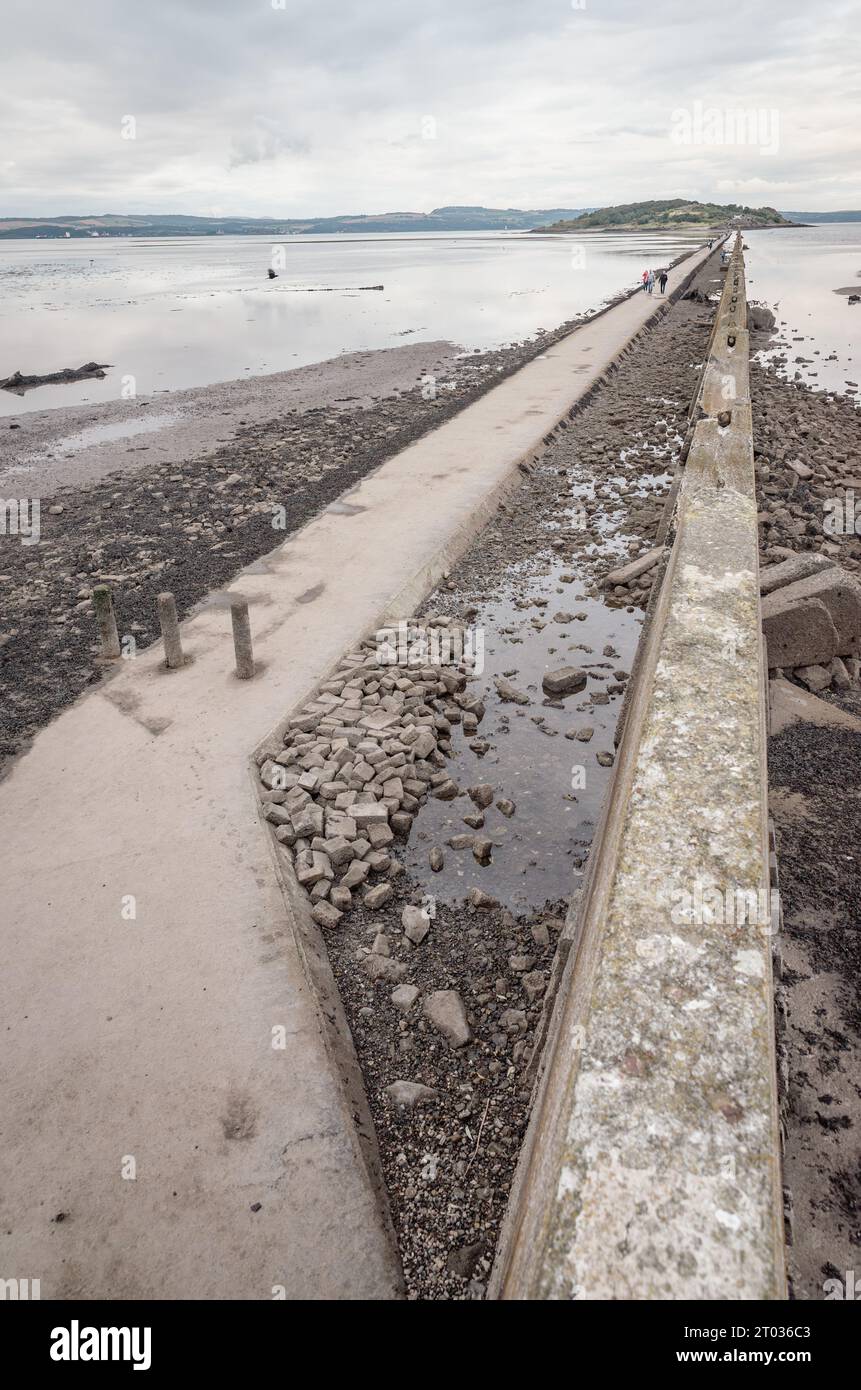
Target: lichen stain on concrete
[(311, 594), (239, 1120)]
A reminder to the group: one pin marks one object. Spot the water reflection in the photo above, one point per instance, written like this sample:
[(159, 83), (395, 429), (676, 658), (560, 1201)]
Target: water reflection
[(796, 272), (195, 310)]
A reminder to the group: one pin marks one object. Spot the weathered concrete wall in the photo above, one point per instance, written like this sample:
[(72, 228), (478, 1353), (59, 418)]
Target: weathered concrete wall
[(651, 1164)]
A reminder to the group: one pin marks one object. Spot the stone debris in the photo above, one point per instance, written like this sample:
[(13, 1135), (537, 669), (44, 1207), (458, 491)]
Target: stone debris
[(476, 897), (408, 1094), (405, 996), (482, 796), (810, 621), (787, 571), (445, 1010), (360, 760), (627, 574), (509, 693), (566, 681), (416, 924), (379, 967)]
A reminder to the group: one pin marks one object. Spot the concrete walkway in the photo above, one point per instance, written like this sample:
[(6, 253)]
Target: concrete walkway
[(148, 950)]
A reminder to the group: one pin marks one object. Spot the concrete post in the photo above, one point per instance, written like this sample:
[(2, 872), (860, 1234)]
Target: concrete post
[(651, 1165), (173, 655), (242, 638), (109, 640)]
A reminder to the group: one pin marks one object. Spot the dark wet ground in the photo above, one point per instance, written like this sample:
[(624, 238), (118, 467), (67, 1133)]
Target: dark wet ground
[(815, 779)]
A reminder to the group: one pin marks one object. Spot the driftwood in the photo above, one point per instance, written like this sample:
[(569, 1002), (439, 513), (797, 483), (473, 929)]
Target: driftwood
[(19, 383), (332, 289)]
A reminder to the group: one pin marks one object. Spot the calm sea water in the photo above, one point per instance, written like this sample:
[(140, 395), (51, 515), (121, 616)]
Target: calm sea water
[(796, 272), (192, 311)]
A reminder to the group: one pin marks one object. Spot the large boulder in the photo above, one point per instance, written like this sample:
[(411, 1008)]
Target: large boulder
[(790, 570), (813, 620), (760, 317)]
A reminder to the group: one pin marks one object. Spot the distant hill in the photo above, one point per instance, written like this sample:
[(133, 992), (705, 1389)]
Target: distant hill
[(824, 216), (669, 213), (448, 219)]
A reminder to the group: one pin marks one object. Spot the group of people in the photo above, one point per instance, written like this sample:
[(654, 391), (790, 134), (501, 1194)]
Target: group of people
[(649, 278)]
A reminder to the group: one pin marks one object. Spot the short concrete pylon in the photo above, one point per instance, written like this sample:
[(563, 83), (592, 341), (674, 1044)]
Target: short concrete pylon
[(109, 641), (173, 654), (242, 638)]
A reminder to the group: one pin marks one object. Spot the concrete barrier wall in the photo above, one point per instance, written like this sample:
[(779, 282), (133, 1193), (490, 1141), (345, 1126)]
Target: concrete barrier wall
[(651, 1167)]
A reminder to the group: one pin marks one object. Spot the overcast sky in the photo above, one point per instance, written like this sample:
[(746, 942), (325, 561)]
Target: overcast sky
[(289, 107)]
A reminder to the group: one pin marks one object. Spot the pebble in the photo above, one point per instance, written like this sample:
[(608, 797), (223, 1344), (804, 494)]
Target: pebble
[(481, 795), (382, 967), (407, 1094), (404, 997), (444, 1009), (376, 896)]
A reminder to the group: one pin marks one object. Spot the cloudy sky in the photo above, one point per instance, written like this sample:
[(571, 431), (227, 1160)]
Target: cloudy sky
[(290, 107)]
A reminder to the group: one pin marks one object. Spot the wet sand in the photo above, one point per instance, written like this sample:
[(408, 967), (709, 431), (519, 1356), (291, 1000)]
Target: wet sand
[(76, 445)]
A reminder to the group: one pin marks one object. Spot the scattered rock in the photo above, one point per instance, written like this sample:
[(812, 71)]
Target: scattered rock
[(508, 693), (482, 795), (816, 678), (628, 573), (565, 681), (408, 1094), (404, 997), (376, 896), (325, 915), (383, 967), (444, 1008), (476, 897), (462, 1262), (416, 924)]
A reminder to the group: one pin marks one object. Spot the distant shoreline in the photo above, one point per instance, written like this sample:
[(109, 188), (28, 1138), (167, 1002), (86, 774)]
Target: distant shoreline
[(637, 227)]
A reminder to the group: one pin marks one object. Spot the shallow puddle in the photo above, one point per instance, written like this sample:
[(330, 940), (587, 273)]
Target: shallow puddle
[(556, 782)]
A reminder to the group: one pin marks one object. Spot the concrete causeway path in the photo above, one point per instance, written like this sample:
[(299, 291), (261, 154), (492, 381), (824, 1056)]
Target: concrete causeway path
[(155, 1143)]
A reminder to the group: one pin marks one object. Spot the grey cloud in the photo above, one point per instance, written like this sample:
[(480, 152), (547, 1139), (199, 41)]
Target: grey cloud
[(317, 108)]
